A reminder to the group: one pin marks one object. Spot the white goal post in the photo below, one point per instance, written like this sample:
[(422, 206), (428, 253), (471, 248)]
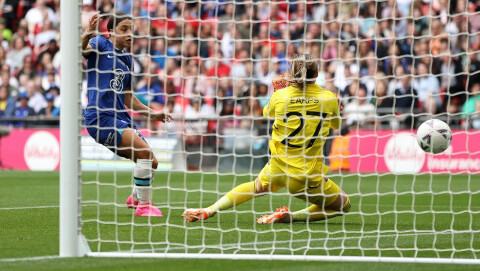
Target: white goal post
[(70, 172), (407, 206)]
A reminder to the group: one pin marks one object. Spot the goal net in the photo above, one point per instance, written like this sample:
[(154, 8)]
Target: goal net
[(393, 64)]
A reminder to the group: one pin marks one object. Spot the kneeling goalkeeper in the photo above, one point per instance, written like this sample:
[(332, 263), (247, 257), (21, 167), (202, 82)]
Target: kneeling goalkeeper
[(303, 114)]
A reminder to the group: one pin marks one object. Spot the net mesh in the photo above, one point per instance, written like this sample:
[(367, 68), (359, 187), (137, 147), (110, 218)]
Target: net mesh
[(393, 64)]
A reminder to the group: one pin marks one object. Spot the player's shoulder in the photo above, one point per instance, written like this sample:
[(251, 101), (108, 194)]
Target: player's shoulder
[(326, 94), (100, 42), (281, 92)]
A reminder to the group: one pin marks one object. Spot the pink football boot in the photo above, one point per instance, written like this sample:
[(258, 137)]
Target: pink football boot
[(131, 202), (147, 210)]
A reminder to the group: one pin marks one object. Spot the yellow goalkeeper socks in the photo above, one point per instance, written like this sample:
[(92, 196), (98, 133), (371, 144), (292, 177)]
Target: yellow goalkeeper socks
[(315, 212), (236, 196)]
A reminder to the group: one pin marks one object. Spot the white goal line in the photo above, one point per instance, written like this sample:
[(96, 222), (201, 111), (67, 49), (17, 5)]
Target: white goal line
[(193, 202), (285, 257), (253, 244)]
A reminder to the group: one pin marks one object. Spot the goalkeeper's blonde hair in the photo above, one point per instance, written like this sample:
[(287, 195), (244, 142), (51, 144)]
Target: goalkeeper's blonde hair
[(303, 70)]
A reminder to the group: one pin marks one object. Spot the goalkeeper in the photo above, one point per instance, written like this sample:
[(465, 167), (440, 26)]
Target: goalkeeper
[(106, 118), (303, 113)]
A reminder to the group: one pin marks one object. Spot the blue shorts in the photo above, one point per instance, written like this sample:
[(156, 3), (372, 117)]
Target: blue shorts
[(108, 131)]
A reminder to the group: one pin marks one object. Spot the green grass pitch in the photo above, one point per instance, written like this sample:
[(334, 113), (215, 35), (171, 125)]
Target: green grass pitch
[(391, 216)]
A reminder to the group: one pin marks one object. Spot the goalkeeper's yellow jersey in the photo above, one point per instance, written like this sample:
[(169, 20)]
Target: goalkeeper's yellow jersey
[(302, 121)]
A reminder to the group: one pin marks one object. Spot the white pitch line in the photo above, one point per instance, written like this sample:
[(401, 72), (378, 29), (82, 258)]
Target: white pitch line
[(29, 259), (28, 207), (87, 205)]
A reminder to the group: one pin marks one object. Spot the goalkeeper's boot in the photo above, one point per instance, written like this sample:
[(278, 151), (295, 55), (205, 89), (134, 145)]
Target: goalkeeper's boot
[(281, 215), (147, 210), (131, 202), (192, 215)]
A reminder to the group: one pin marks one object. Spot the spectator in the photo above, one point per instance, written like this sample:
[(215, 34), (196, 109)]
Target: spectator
[(10, 12), (35, 96), (5, 33), (7, 102), (263, 96), (227, 115), (217, 67), (18, 51), (124, 6), (8, 80), (36, 16), (50, 78), (50, 110), (384, 106), (50, 48), (22, 110), (27, 68), (470, 108), (149, 89), (55, 91), (47, 34), (406, 95), (358, 110), (451, 75), (473, 66), (160, 54), (475, 117), (105, 6), (428, 89)]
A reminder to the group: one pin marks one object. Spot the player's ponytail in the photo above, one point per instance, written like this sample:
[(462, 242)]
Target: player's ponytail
[(303, 71)]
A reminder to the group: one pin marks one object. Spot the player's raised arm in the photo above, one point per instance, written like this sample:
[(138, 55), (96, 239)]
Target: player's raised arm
[(269, 109), (132, 102), (92, 26)]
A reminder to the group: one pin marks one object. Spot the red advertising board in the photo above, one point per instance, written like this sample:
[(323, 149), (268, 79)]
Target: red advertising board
[(369, 152), (398, 152), (31, 149), (39, 149)]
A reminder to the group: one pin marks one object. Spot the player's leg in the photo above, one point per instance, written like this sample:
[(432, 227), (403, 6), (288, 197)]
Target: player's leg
[(328, 200), (264, 183), (133, 146)]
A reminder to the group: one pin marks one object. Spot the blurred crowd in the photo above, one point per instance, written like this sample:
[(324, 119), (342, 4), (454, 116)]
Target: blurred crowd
[(29, 59), (390, 61)]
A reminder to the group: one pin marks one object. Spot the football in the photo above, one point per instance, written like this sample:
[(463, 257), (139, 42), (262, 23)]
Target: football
[(434, 136)]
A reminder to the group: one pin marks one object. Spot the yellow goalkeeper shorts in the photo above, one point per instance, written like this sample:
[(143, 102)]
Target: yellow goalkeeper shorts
[(314, 188)]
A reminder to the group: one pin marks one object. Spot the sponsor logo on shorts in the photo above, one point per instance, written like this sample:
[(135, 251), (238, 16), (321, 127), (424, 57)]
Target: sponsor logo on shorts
[(110, 139)]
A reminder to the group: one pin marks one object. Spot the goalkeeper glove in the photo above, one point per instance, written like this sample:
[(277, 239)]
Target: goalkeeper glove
[(280, 82)]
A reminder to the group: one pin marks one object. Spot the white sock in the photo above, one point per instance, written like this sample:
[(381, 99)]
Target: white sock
[(143, 177), (143, 193), (134, 193)]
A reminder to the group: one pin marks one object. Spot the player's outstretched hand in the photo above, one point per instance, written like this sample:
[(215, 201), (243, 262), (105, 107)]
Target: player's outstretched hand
[(280, 82), (93, 22), (161, 116)]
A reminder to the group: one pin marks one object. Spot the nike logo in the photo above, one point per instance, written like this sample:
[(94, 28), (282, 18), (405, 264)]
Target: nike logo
[(110, 56)]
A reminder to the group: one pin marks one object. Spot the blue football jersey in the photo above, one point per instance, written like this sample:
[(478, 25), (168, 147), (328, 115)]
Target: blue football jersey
[(109, 74)]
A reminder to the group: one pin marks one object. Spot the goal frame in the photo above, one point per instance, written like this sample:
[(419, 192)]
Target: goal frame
[(71, 240), (70, 171)]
